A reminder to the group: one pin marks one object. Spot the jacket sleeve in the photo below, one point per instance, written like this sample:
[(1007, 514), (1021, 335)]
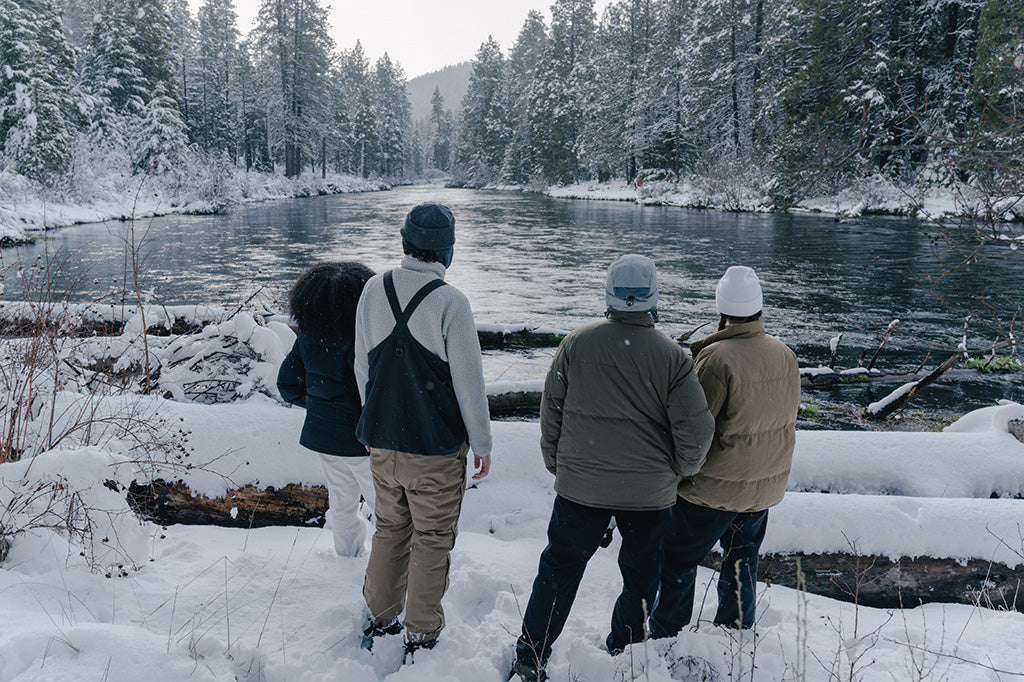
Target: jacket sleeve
[(462, 345), (360, 350), (552, 402), (693, 426), (716, 388), (291, 378)]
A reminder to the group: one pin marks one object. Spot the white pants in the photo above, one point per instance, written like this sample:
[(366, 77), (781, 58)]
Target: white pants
[(347, 479)]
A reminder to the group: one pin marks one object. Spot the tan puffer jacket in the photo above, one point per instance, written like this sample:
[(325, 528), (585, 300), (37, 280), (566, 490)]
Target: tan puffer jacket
[(622, 416), (752, 384)]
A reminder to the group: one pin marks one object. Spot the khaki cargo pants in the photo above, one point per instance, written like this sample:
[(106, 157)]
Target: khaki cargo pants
[(419, 498)]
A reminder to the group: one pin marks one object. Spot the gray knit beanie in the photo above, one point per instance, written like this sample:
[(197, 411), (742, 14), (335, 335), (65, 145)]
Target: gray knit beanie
[(632, 285), (430, 227)]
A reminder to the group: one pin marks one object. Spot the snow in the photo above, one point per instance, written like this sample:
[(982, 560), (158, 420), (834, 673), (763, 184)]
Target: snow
[(208, 603), (872, 195), (26, 207), (879, 405)]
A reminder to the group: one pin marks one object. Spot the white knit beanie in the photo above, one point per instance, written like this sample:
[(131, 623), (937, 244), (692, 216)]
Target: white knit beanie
[(739, 292)]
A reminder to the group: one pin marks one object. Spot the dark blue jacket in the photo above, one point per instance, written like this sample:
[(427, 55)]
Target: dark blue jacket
[(317, 375)]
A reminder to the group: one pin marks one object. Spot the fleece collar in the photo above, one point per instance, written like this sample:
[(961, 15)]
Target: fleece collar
[(746, 329), (416, 265), (635, 318)]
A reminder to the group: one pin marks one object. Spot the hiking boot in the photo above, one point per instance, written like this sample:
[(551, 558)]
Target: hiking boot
[(373, 629), (412, 647), (527, 671)]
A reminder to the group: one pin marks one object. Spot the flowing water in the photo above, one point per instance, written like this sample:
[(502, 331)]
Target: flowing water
[(526, 258)]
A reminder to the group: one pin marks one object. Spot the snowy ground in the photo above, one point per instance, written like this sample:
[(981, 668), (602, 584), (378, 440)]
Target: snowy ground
[(26, 207), (877, 196), (205, 603)]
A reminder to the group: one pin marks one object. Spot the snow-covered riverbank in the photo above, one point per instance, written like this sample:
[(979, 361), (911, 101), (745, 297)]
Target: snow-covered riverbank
[(875, 196), (26, 207), (206, 603)]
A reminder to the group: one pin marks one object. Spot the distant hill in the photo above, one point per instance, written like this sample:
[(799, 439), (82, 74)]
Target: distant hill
[(451, 80)]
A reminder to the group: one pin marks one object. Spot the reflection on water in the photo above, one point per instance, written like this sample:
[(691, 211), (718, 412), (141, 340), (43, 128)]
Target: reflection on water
[(533, 259)]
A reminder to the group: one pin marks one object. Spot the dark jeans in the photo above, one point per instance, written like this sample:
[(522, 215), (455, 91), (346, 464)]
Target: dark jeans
[(574, 534), (694, 530)]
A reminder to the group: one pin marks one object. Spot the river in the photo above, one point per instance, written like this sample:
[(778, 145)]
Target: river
[(527, 258)]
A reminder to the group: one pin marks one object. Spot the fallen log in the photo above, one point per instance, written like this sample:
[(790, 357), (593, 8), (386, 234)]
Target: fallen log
[(514, 404), (866, 580), (879, 582), (492, 337), (897, 399), (496, 337), (821, 378), (168, 503)]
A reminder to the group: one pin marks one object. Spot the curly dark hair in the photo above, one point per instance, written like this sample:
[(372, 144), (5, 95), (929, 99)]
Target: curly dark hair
[(323, 300)]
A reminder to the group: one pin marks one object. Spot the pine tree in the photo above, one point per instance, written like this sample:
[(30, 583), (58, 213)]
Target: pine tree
[(671, 132), (253, 112), (618, 92), (441, 139), (392, 117), (362, 144), (36, 78), (216, 121), (555, 119), (519, 164), (484, 132), (294, 54)]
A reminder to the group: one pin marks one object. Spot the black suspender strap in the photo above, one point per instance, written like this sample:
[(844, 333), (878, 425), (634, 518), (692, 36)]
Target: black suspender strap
[(402, 316)]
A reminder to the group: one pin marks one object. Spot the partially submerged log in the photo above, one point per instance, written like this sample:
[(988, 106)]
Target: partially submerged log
[(879, 582), (899, 398), (514, 404), (517, 337), (866, 580), (814, 378)]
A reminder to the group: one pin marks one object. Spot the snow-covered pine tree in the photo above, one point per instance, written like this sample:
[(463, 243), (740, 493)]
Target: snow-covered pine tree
[(293, 51), (997, 159), (36, 78), (555, 115), (441, 133), (392, 117), (671, 134), (160, 136), (253, 112), (519, 165), (354, 79), (617, 92), (215, 122), (338, 124), (485, 128), (719, 77), (184, 33)]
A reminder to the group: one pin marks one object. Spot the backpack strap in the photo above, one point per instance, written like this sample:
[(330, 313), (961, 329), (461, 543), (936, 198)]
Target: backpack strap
[(402, 316)]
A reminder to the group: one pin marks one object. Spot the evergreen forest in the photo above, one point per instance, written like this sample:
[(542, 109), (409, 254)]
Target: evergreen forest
[(791, 96)]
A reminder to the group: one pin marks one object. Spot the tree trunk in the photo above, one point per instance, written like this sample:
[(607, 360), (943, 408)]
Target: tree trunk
[(953, 360), (873, 581)]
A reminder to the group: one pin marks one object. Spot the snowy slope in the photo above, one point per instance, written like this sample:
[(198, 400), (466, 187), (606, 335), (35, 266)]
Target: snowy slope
[(276, 603)]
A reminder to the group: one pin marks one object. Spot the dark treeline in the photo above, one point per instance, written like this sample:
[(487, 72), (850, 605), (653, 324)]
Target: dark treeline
[(101, 85), (793, 96), (808, 92)]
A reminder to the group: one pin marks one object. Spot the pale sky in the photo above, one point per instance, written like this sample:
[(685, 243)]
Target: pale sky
[(421, 35)]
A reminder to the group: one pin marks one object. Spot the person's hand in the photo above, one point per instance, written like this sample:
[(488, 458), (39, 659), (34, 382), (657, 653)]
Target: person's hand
[(482, 465)]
